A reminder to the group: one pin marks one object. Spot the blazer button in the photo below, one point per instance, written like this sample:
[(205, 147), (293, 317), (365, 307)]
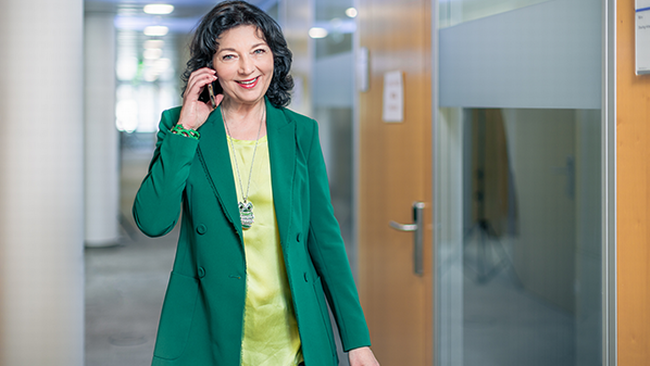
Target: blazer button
[(201, 272), (201, 229), (298, 238), (306, 280)]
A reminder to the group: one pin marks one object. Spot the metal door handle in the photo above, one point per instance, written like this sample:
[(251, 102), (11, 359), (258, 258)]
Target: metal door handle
[(417, 227)]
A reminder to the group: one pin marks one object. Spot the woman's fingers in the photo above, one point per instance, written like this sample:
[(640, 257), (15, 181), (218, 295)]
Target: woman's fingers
[(194, 111), (198, 80)]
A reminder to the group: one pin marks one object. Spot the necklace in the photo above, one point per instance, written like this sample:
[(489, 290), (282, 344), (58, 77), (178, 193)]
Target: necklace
[(245, 206)]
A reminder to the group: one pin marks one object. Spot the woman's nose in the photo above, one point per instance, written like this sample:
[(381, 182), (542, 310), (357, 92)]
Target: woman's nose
[(246, 65)]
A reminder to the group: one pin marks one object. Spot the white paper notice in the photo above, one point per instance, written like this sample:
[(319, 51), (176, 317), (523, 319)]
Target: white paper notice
[(393, 97), (642, 15), (363, 69)]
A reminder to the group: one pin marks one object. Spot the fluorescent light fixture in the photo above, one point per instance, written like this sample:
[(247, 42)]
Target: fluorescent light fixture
[(152, 53), (351, 12), (150, 76), (126, 113), (126, 68), (153, 44), (162, 65), (154, 69), (156, 30), (318, 32), (158, 9)]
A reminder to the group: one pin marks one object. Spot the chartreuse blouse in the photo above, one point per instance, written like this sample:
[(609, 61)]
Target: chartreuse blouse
[(270, 329)]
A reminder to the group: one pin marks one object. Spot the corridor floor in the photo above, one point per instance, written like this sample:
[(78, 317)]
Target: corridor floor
[(125, 284)]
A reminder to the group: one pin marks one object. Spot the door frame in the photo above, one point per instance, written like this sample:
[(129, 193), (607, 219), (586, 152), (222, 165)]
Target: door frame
[(608, 171)]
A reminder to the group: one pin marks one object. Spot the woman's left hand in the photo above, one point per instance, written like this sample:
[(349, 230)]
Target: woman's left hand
[(362, 356)]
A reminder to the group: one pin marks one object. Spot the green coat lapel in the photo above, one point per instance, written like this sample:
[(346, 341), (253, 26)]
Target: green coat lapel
[(281, 134), (215, 158)]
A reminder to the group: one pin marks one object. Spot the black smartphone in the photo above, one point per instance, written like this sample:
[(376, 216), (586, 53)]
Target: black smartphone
[(210, 91)]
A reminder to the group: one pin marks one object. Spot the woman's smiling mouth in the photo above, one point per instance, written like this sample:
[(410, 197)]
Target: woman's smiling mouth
[(248, 84)]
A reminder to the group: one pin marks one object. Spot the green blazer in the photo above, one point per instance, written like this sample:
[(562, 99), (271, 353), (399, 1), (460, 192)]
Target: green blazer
[(202, 317)]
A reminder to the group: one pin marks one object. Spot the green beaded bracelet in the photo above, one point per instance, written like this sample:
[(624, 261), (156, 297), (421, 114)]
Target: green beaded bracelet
[(180, 130)]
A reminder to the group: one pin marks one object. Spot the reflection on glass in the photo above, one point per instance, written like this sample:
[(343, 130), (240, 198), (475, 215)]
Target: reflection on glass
[(330, 86), (453, 12), (526, 262), (332, 90)]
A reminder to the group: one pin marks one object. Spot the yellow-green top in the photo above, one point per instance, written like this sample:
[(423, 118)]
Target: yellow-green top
[(270, 328)]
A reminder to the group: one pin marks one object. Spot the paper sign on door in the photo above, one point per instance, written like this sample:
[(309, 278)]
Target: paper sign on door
[(393, 97), (642, 15)]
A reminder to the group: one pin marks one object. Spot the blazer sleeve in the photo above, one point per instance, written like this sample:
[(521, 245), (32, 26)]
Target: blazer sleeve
[(157, 204), (327, 250)]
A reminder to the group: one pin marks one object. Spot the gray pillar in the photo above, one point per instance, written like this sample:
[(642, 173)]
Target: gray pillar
[(41, 183), (101, 136)]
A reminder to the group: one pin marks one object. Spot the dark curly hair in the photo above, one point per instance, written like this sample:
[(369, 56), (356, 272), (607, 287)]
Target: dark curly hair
[(231, 14)]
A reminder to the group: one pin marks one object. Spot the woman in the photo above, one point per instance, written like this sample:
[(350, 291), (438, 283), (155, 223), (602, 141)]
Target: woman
[(259, 246)]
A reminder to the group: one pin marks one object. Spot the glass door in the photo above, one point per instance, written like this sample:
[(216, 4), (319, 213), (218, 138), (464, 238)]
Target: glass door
[(518, 185)]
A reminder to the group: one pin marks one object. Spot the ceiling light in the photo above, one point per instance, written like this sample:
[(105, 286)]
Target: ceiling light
[(126, 113), (150, 76), (152, 53), (158, 9), (161, 65), (153, 44), (156, 30), (317, 32), (351, 12), (126, 68)]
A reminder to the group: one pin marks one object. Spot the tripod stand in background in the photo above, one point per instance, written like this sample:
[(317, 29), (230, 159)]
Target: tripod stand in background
[(490, 256)]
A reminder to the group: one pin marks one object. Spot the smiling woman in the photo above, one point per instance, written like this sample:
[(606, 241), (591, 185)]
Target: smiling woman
[(244, 66), (260, 248), (207, 38)]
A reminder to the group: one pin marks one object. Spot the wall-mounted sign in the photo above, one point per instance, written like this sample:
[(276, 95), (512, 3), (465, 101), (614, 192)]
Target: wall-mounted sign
[(363, 69), (393, 97), (642, 26)]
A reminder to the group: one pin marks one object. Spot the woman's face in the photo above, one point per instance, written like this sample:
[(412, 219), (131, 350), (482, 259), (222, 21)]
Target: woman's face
[(244, 64)]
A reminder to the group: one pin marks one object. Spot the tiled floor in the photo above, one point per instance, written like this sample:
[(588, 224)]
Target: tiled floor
[(506, 326), (125, 284), (124, 290)]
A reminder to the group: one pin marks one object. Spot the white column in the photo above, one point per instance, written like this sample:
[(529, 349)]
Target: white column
[(101, 136), (41, 183)]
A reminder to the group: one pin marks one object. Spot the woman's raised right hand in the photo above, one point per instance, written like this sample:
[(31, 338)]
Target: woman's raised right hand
[(194, 112)]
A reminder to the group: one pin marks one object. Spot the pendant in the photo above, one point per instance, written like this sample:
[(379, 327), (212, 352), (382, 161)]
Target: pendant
[(246, 214)]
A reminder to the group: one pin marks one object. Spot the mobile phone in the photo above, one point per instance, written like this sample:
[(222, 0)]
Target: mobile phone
[(209, 92)]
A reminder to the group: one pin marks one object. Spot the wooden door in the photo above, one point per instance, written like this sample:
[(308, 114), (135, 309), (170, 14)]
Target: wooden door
[(396, 171)]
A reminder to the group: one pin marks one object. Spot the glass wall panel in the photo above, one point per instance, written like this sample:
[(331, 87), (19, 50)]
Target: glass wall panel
[(333, 100), (332, 90), (453, 12), (518, 143), (521, 273)]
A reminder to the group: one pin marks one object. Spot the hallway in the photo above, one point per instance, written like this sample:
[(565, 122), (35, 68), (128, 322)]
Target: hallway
[(125, 284)]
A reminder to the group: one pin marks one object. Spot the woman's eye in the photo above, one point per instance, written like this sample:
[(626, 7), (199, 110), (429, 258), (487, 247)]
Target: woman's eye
[(227, 57), (259, 51)]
